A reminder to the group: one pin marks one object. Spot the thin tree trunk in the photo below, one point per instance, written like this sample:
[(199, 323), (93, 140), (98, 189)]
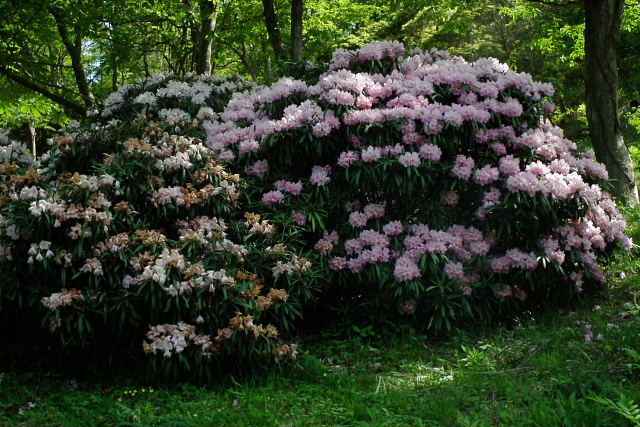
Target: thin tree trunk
[(114, 77), (208, 16), (145, 62), (74, 48), (602, 25), (297, 9), (32, 134), (271, 22)]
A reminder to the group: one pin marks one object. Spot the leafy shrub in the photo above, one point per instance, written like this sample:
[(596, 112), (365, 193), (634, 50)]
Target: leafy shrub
[(443, 191), (132, 234)]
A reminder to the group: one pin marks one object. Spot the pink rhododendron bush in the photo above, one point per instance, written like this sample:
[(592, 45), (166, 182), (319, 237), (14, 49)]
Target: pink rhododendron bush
[(131, 237), (443, 191)]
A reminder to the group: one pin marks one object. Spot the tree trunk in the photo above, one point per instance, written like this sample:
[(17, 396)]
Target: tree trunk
[(602, 24), (114, 77), (208, 16), (297, 9), (74, 48), (32, 136), (271, 22)]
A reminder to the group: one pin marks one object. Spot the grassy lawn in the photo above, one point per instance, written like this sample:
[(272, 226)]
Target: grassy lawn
[(540, 371)]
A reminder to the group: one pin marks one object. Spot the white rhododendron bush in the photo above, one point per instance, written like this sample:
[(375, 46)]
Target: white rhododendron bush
[(196, 219), (131, 237)]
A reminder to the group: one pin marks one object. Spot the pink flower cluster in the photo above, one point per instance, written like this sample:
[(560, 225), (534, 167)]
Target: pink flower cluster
[(272, 197), (359, 219), (320, 175), (372, 247), (514, 258), (294, 188), (463, 167)]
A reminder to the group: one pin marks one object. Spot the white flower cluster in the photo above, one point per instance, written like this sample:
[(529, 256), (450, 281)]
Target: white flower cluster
[(93, 183), (62, 212), (208, 279), (61, 299), (146, 98), (174, 116), (116, 100), (8, 228), (29, 193), (255, 225), (38, 249), (48, 206), (11, 151), (296, 266), (202, 229), (169, 339), (92, 265), (157, 271), (182, 196), (199, 91), (226, 245)]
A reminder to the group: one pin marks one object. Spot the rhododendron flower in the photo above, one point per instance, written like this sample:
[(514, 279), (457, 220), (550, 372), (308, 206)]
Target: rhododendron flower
[(406, 269), (430, 152), (299, 218), (259, 168), (371, 154), (409, 160), (347, 158), (509, 165), (294, 188), (374, 211), (320, 175), (394, 228), (486, 175), (357, 219), (272, 197), (462, 167)]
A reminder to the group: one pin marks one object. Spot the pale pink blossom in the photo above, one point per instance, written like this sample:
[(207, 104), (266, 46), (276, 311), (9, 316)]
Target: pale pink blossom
[(272, 197), (320, 175), (463, 167)]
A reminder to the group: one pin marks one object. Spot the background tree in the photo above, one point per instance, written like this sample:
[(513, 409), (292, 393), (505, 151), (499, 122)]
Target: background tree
[(602, 26)]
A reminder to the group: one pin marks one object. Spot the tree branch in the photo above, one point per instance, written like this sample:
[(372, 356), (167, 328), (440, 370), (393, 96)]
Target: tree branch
[(69, 105)]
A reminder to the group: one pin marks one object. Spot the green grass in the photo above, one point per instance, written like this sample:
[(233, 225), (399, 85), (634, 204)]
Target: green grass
[(538, 372)]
